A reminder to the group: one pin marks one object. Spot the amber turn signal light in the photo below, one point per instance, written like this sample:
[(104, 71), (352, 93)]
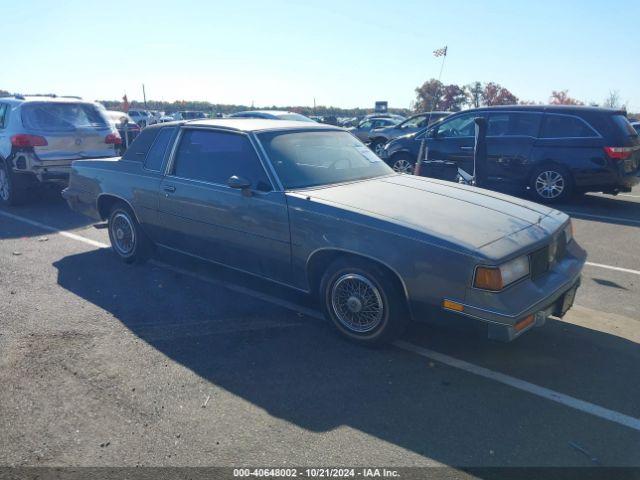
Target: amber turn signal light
[(524, 323), (449, 305), (488, 278)]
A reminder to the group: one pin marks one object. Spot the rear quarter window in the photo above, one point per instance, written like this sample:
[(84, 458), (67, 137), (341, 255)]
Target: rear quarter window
[(624, 125), (157, 152), (565, 126), (139, 148)]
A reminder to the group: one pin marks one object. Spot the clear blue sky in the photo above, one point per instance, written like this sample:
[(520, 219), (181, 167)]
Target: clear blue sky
[(344, 53)]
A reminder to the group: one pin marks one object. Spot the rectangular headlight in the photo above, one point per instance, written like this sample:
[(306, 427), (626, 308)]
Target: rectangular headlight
[(497, 278), (568, 232)]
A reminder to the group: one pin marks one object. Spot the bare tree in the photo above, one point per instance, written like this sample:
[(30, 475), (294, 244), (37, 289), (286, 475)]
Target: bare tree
[(613, 100)]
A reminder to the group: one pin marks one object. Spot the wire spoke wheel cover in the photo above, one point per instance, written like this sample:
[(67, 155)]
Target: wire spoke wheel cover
[(123, 234), (403, 166), (550, 184), (357, 303), (4, 185)]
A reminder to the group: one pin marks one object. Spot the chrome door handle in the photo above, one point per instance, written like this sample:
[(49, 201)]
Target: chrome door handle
[(466, 148), (169, 188)]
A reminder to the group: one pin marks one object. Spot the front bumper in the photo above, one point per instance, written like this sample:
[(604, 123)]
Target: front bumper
[(506, 328)]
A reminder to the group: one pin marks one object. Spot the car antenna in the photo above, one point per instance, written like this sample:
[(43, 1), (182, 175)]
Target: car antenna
[(424, 150)]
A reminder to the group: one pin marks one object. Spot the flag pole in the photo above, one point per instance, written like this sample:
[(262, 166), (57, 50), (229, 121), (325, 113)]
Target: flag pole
[(423, 153)]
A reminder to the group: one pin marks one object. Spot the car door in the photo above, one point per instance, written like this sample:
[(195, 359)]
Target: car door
[(510, 139), (363, 129), (453, 140), (203, 216)]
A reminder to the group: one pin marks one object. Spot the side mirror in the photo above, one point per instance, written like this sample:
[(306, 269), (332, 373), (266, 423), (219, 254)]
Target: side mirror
[(241, 184)]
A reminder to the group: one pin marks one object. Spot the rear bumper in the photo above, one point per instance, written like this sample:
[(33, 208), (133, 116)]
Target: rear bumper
[(27, 163)]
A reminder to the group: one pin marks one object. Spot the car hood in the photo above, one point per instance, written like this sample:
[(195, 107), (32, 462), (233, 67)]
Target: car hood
[(469, 217)]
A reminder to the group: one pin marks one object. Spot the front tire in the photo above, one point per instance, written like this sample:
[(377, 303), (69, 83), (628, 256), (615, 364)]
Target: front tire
[(128, 240), (363, 301), (403, 163), (551, 184)]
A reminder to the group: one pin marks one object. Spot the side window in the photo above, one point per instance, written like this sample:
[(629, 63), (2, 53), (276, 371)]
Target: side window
[(366, 125), (514, 124), (155, 156), (214, 157), (461, 126), (3, 115), (564, 126)]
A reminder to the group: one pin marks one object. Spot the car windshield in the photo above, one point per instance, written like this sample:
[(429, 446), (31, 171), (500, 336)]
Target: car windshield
[(311, 158), (294, 116), (61, 117)]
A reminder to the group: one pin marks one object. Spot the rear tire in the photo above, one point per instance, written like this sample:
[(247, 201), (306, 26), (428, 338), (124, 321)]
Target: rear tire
[(363, 301), (12, 190), (551, 184), (128, 240)]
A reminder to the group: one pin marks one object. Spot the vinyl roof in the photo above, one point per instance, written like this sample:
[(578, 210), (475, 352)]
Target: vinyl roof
[(251, 124)]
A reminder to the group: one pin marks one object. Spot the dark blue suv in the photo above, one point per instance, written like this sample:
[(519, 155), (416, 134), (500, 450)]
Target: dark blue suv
[(549, 151)]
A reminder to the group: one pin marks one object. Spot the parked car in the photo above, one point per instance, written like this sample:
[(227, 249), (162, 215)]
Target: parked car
[(272, 114), (379, 136), (41, 135), (127, 128), (310, 207), (363, 129), (168, 117), (190, 115), (394, 116), (549, 152), (141, 117)]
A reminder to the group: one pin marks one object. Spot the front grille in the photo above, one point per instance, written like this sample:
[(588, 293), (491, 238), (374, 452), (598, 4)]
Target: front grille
[(539, 262)]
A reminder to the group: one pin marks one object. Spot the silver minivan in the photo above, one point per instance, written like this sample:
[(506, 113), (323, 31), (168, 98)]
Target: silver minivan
[(40, 136)]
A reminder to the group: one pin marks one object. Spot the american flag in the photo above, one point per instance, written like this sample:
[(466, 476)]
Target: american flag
[(441, 52)]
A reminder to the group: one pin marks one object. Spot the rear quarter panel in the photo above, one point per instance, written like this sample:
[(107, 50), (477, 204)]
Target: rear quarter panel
[(583, 157), (126, 180)]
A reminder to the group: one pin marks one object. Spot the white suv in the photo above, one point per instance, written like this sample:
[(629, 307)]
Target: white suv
[(40, 136)]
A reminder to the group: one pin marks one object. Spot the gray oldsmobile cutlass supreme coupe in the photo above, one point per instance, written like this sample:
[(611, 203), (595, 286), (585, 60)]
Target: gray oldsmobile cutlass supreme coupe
[(310, 207)]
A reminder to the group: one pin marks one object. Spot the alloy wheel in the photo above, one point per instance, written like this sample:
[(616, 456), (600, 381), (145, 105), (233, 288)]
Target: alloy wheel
[(378, 148), (403, 166), (5, 188), (550, 184)]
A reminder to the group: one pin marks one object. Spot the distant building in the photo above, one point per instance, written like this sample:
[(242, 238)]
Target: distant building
[(382, 107)]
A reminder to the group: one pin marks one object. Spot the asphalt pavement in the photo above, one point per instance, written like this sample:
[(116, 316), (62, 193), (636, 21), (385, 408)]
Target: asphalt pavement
[(177, 363)]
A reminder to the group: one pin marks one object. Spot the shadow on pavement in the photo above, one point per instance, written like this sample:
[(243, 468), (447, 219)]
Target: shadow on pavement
[(313, 379)]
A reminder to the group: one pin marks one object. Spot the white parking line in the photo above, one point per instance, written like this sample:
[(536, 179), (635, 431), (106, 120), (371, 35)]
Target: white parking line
[(49, 228), (602, 217), (542, 392), (609, 267)]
